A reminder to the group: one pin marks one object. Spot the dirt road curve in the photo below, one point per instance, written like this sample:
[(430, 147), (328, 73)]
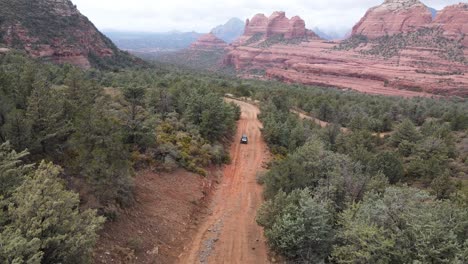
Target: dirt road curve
[(230, 234)]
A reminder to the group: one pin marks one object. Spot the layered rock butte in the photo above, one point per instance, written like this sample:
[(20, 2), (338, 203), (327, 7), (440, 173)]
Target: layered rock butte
[(52, 29), (277, 24), (414, 71), (208, 42)]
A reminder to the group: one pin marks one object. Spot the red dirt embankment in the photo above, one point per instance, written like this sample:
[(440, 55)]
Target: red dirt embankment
[(230, 233), (155, 229)]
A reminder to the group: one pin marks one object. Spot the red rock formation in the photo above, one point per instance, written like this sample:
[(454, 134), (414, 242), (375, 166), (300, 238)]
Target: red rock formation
[(393, 17), (208, 42), (276, 24), (258, 24), (414, 71), (454, 21), (59, 32)]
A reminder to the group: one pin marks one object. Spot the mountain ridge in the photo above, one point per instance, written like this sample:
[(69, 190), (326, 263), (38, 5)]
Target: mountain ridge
[(230, 31)]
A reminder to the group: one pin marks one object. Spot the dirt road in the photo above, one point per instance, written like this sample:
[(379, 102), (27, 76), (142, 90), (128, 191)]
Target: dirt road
[(321, 123), (230, 234)]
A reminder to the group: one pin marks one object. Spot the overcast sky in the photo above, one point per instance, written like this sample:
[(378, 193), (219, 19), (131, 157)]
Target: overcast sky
[(203, 15)]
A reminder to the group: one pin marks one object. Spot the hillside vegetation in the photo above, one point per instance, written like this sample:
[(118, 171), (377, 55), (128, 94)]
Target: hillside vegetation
[(64, 130), (350, 196), (391, 46)]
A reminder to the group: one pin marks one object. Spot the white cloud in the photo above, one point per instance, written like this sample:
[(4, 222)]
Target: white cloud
[(203, 15)]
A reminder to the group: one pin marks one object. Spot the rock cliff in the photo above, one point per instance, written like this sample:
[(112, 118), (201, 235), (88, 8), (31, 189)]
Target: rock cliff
[(454, 21), (261, 28), (393, 17), (55, 30)]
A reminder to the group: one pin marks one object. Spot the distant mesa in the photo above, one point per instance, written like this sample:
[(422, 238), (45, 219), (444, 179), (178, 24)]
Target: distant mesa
[(393, 17), (332, 34), (208, 42), (230, 31)]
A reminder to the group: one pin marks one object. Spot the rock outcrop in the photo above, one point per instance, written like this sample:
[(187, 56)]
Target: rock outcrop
[(208, 42), (277, 24), (393, 17), (57, 31), (454, 21)]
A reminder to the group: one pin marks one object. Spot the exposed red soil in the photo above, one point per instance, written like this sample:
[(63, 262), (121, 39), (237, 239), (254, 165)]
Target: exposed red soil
[(230, 233), (154, 230)]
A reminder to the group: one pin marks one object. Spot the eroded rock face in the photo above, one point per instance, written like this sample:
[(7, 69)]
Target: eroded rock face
[(393, 17), (53, 29), (208, 42), (454, 21), (258, 24), (422, 69), (416, 72), (277, 23)]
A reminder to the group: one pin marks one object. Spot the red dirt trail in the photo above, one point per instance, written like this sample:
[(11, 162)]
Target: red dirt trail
[(229, 234)]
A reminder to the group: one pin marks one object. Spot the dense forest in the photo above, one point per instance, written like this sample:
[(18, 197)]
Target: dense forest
[(384, 182), (347, 193), (64, 130)]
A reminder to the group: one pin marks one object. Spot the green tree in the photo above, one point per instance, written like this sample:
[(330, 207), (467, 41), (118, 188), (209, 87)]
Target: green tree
[(406, 131), (18, 129), (403, 225), (207, 110), (442, 186), (389, 164), (298, 226), (359, 145), (46, 116), (12, 169), (46, 225), (100, 155), (135, 117)]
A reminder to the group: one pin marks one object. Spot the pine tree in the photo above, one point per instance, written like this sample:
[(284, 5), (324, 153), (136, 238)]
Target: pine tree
[(389, 164), (101, 156), (299, 227), (406, 131), (12, 170), (45, 114), (46, 225)]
